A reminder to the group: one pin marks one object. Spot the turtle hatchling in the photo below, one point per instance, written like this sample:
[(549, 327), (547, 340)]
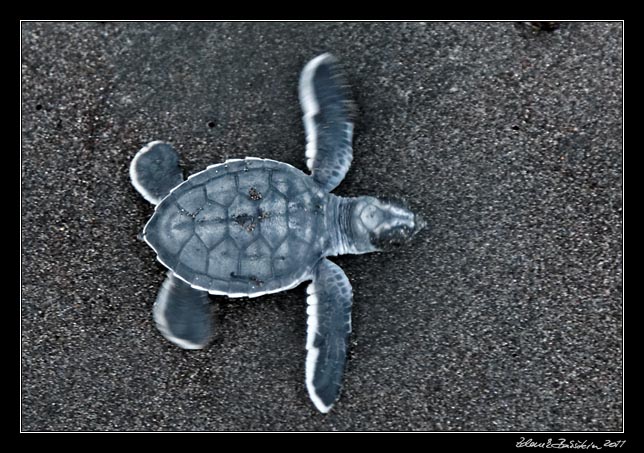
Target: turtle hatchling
[(253, 226)]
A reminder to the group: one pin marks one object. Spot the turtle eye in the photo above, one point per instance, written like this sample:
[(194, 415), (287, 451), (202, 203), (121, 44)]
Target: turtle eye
[(393, 201), (389, 238)]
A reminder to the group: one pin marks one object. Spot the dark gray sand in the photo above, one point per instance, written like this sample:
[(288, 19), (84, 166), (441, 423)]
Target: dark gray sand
[(506, 315)]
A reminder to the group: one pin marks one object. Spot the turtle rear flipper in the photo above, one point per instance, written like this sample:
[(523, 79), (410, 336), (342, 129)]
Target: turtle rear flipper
[(329, 326), (328, 120), (155, 171), (182, 314)]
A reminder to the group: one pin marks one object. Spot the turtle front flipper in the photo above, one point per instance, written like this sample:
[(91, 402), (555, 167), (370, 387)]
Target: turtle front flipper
[(328, 120), (182, 314), (329, 326), (155, 171)]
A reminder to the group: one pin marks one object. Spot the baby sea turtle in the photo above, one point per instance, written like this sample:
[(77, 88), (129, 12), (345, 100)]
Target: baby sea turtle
[(248, 227)]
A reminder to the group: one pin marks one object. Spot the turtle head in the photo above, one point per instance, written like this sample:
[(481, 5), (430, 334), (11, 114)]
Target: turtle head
[(383, 224)]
